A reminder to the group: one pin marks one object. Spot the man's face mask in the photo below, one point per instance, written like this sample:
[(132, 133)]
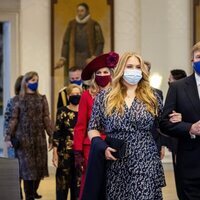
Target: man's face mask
[(196, 67), (77, 82)]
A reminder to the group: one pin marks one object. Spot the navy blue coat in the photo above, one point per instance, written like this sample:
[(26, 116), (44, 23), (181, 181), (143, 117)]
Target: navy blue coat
[(94, 187)]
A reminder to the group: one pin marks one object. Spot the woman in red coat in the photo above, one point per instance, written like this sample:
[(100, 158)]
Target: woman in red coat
[(98, 72)]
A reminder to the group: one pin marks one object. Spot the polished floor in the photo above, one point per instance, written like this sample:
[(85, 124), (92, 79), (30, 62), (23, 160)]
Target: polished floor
[(47, 187)]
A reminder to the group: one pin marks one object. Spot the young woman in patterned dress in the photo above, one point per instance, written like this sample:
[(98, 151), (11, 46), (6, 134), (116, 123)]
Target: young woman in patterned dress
[(127, 112)]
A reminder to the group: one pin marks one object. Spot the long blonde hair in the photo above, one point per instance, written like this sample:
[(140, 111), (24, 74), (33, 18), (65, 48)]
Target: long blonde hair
[(28, 76), (115, 98), (93, 87)]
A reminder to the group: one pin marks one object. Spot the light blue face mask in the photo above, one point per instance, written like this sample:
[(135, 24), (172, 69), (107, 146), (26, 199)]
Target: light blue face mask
[(132, 76)]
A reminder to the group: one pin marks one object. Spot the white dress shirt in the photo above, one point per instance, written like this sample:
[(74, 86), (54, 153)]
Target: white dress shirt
[(197, 77)]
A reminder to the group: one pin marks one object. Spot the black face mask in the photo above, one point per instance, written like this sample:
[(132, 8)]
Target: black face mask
[(74, 99)]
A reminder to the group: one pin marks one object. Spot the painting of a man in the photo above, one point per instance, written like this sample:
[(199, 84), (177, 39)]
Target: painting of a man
[(83, 40)]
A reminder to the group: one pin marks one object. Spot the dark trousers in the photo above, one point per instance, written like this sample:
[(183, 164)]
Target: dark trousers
[(64, 182), (30, 188), (190, 189), (36, 186), (178, 187)]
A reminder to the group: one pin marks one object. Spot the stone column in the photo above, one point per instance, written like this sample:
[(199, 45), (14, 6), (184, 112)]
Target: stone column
[(35, 43), (166, 36), (127, 26), (179, 34)]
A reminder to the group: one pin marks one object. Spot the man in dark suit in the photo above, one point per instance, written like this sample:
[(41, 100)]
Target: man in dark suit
[(170, 142), (184, 97)]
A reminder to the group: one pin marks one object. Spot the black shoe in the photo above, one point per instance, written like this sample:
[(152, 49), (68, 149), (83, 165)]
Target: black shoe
[(37, 196)]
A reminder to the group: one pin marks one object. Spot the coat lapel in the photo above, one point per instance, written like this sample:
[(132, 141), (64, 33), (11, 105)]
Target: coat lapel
[(192, 92)]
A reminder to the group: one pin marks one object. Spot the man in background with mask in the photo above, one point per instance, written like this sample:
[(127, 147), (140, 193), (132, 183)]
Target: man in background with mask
[(184, 97), (82, 42), (74, 78)]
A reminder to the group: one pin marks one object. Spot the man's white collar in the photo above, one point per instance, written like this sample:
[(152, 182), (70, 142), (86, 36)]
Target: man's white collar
[(82, 21), (197, 77)]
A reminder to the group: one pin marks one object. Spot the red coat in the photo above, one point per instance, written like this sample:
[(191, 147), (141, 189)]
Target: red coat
[(81, 138)]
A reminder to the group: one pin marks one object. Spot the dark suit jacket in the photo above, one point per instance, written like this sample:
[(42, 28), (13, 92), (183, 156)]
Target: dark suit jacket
[(158, 137), (183, 97)]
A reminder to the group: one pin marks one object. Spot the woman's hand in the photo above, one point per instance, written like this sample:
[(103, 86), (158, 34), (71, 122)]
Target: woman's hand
[(162, 152), (60, 63), (55, 158), (108, 153), (175, 117), (8, 144)]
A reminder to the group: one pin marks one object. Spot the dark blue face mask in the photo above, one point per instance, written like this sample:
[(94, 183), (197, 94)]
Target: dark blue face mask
[(77, 82), (33, 86), (196, 66)]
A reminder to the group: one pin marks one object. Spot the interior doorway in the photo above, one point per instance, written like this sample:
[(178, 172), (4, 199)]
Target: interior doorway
[(9, 65)]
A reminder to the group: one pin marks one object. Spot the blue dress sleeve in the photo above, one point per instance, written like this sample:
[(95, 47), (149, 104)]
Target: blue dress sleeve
[(7, 116)]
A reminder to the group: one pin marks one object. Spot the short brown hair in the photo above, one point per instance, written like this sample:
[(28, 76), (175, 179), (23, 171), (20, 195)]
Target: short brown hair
[(84, 5), (148, 64), (75, 68), (178, 74)]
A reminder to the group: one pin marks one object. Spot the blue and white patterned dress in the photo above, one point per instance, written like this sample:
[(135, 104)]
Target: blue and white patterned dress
[(139, 174)]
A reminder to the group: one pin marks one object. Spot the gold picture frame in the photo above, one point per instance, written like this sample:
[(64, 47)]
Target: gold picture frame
[(63, 11), (196, 21)]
